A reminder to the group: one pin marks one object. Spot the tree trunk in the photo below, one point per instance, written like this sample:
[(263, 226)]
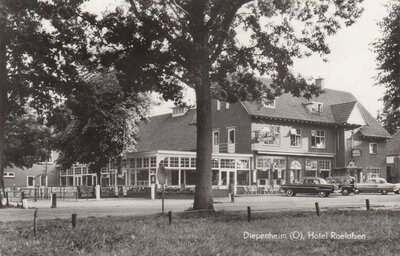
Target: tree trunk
[(203, 194), (3, 88)]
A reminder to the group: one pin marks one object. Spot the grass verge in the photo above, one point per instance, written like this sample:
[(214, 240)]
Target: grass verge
[(220, 233)]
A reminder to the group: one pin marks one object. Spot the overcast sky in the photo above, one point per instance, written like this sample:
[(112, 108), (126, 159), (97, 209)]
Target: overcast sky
[(351, 65)]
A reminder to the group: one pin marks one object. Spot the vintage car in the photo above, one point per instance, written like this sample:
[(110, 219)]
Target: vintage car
[(377, 185), (309, 185), (343, 184)]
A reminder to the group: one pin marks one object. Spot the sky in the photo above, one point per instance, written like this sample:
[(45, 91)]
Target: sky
[(351, 64)]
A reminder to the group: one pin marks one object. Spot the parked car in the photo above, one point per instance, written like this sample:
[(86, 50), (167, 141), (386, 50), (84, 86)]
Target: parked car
[(309, 185), (343, 184), (377, 185)]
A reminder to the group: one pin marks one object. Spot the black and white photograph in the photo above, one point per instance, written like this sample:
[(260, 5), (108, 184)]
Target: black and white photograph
[(199, 127)]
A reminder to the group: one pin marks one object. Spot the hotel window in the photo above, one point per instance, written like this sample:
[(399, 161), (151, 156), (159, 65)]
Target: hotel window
[(269, 135), (325, 165), (164, 162), (193, 162), (30, 181), (146, 162), (218, 105), (70, 172), (215, 138), (269, 103), (214, 163), (373, 148), (174, 162), (78, 171), (227, 163), (153, 162), (231, 136), (132, 162), (227, 105), (317, 139), (185, 162), (295, 137), (139, 163)]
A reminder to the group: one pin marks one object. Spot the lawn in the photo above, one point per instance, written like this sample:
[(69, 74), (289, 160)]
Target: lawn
[(221, 233)]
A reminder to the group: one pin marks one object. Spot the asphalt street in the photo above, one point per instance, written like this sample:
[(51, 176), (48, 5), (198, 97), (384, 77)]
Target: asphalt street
[(131, 207)]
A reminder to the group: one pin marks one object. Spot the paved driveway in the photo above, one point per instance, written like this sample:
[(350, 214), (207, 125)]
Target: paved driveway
[(129, 207)]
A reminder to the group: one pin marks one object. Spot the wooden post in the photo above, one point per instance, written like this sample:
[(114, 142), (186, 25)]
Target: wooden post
[(367, 203), (76, 195), (162, 205), (34, 222), (248, 214), (74, 220), (317, 208), (8, 204), (232, 198), (170, 217), (34, 195), (22, 195), (53, 200)]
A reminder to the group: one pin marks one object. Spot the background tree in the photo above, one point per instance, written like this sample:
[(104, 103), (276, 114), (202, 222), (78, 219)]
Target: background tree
[(164, 45), (387, 49), (42, 51), (98, 124)]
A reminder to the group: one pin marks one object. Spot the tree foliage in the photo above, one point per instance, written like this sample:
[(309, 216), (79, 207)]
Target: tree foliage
[(164, 45), (387, 48), (42, 52), (98, 124)]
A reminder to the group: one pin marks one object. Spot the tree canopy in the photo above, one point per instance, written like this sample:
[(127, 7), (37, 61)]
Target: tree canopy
[(387, 48), (165, 45), (98, 124)]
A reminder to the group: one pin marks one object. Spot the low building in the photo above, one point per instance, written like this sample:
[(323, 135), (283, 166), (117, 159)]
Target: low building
[(393, 158)]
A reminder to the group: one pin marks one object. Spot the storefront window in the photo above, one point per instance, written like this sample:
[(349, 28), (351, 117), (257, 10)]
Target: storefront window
[(243, 177), (190, 177), (142, 177), (215, 177), (174, 162), (185, 162), (174, 178)]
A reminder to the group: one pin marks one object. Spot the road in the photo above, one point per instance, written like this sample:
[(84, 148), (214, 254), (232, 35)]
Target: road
[(131, 207)]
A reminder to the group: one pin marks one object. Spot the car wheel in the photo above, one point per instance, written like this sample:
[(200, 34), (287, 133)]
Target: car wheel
[(322, 194), (384, 192), (397, 192), (290, 192), (345, 192)]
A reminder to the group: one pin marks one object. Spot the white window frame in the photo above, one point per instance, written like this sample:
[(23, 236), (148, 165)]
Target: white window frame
[(269, 103), (370, 148), (227, 105), (323, 165), (229, 135), (218, 105), (320, 137), (296, 136), (27, 181), (9, 174), (213, 137)]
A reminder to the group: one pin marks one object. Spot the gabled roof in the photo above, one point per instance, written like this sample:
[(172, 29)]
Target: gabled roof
[(293, 108), (337, 108), (341, 112), (165, 132), (393, 145)]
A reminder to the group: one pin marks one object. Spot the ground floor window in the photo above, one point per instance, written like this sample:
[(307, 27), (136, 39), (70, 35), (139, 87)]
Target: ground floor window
[(324, 174), (174, 177), (63, 181), (190, 177), (373, 172), (243, 177), (142, 177), (30, 181), (215, 177)]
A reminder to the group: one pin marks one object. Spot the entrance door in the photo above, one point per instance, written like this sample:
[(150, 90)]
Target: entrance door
[(227, 178)]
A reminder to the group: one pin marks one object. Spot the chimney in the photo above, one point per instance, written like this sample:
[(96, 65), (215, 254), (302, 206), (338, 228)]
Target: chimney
[(320, 83)]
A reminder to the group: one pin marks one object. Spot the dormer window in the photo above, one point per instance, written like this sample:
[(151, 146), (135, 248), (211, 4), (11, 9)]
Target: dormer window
[(316, 107), (269, 103), (178, 111)]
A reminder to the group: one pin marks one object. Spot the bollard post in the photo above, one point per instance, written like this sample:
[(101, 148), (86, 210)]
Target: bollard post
[(53, 200), (74, 220), (248, 214), (317, 208), (232, 198), (367, 204), (8, 204), (34, 222), (22, 195), (170, 217)]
